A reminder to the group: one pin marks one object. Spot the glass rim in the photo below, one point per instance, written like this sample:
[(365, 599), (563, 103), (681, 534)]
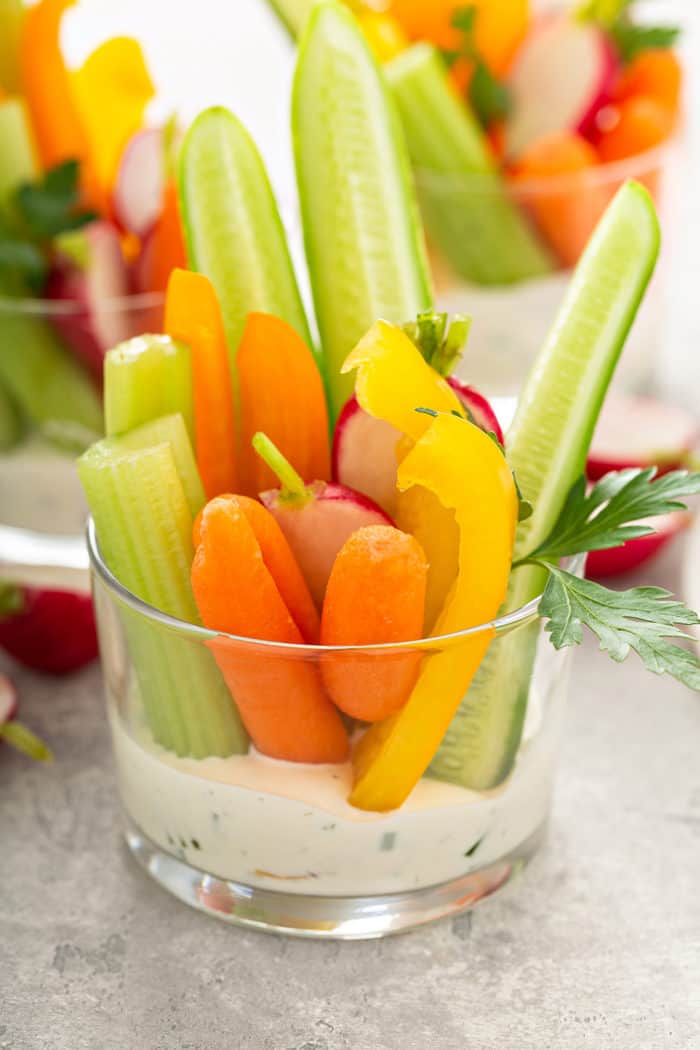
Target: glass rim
[(38, 306), (526, 613), (610, 172)]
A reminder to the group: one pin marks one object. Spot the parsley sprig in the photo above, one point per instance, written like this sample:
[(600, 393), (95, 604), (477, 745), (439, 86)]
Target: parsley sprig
[(629, 37), (38, 213), (489, 97), (642, 619)]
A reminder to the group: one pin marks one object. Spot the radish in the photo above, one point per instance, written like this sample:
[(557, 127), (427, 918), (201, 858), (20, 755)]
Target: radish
[(364, 455), (316, 519), (138, 189), (562, 76), (636, 552), (96, 317), (635, 431), (13, 732), (364, 448)]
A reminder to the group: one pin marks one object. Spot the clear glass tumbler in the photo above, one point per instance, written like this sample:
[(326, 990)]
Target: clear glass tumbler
[(502, 251), (276, 845)]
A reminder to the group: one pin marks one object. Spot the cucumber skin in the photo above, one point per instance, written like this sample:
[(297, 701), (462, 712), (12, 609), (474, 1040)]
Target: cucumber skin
[(467, 212), (263, 279), (42, 377), (342, 323), (292, 13), (494, 709)]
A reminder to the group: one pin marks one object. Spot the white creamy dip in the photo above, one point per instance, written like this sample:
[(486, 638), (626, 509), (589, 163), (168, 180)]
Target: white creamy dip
[(288, 827)]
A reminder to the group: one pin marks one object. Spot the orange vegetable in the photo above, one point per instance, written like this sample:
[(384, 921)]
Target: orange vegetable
[(280, 563), (568, 212), (656, 74), (280, 699), (111, 90), (500, 25), (638, 124), (383, 34), (193, 316), (47, 85), (281, 393), (375, 594), (165, 249)]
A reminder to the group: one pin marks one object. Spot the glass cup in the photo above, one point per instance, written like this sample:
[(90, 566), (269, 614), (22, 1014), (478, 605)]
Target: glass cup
[(42, 508), (502, 251), (276, 845)]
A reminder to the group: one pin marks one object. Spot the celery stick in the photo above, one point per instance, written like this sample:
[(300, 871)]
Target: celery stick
[(466, 210), (145, 378), (144, 528), (171, 430), (41, 376), (17, 151), (547, 446), (10, 421), (11, 15)]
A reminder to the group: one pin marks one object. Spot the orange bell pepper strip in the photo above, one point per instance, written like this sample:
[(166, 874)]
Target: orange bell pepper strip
[(193, 316), (281, 394), (375, 595), (48, 86), (280, 563), (111, 90), (280, 698), (468, 473)]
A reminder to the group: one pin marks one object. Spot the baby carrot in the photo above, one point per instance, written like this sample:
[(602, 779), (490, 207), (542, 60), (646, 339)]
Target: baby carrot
[(164, 250), (280, 563), (281, 393), (639, 123), (375, 594), (568, 212), (192, 316), (280, 698), (656, 74)]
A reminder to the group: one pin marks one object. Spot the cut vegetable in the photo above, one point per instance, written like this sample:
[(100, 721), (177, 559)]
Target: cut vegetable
[(547, 446), (192, 315), (163, 248), (282, 395), (169, 430), (635, 431), (280, 698), (562, 75), (375, 595), (17, 148), (465, 207), (233, 230), (292, 13), (147, 377), (11, 18), (138, 187), (478, 407), (365, 455), (362, 234), (144, 528)]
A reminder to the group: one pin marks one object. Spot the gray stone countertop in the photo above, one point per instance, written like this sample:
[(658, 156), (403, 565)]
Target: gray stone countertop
[(595, 947)]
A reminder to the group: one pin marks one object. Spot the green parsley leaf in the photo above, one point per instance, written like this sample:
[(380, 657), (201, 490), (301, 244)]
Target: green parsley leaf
[(642, 619), (464, 19), (630, 39), (50, 206), (441, 345), (610, 513), (604, 12), (489, 97)]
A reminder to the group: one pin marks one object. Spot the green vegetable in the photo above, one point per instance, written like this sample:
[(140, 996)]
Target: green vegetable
[(362, 234), (144, 378), (22, 739), (171, 430), (144, 528), (547, 446), (292, 13), (630, 38), (441, 346), (466, 210), (233, 229), (489, 97), (10, 421)]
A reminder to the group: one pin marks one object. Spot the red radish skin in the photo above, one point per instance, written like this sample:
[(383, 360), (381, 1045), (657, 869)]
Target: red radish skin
[(95, 319), (364, 455), (634, 553), (49, 631), (641, 432), (478, 407), (9, 701), (138, 189), (562, 76), (318, 528)]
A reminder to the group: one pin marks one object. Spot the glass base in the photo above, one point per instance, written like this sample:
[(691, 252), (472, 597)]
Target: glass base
[(328, 918)]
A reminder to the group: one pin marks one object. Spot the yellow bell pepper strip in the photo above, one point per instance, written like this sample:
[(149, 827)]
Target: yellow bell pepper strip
[(47, 85), (393, 379), (468, 473), (383, 34), (111, 90), (11, 18)]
